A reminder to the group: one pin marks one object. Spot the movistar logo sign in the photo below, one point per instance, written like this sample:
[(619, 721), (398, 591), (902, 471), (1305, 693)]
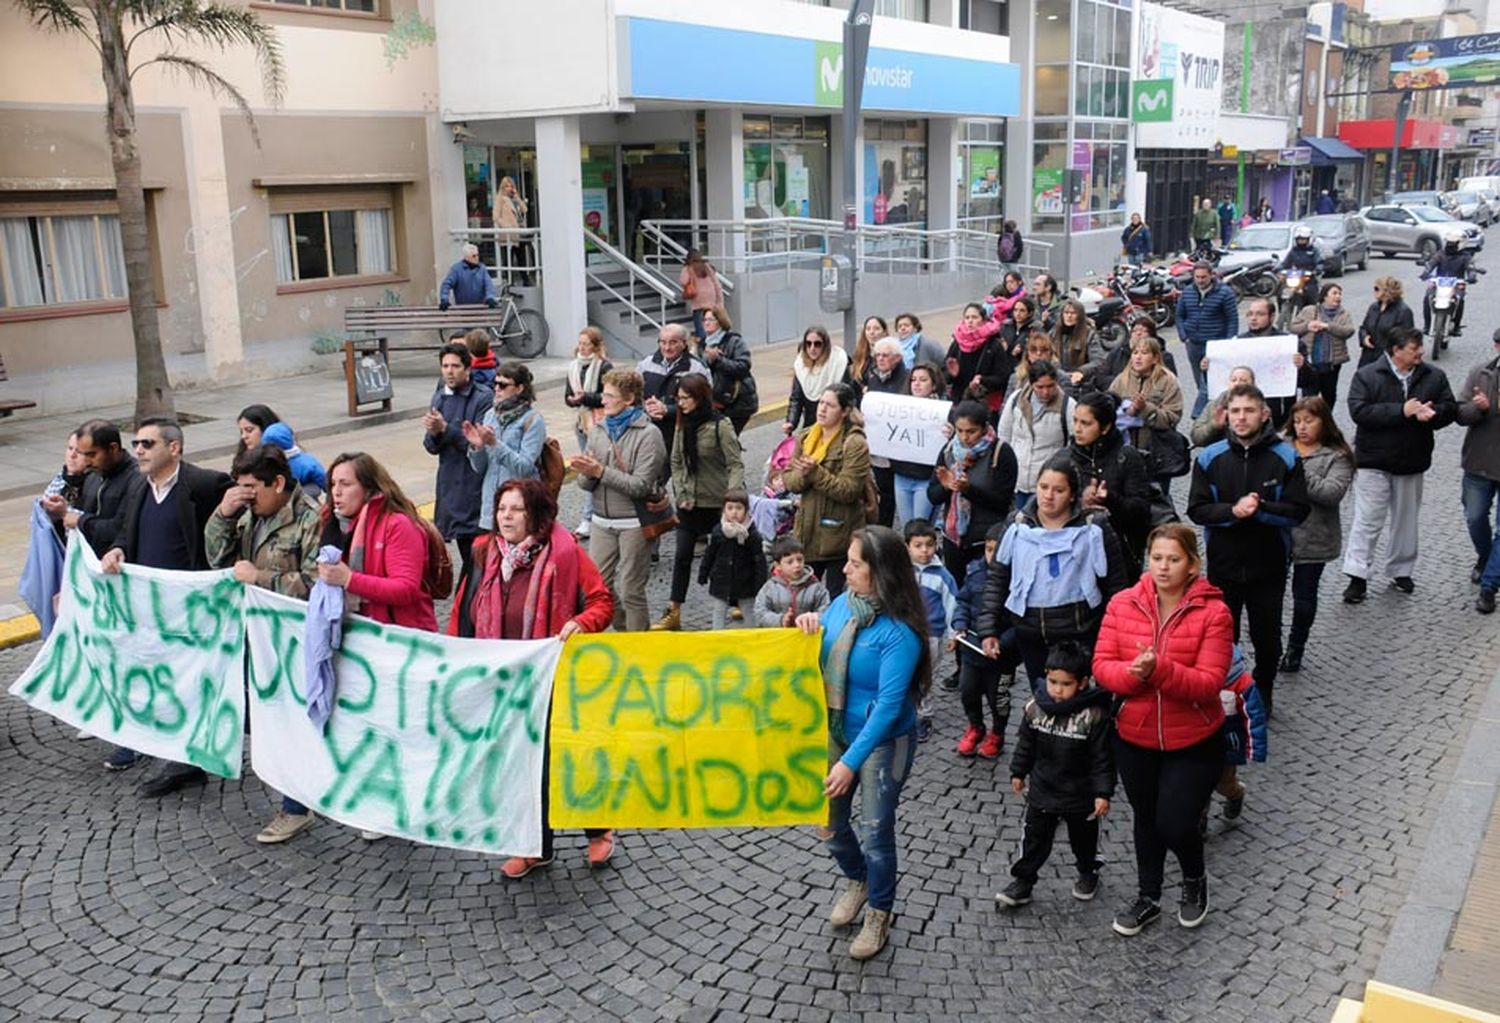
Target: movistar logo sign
[(828, 70), (1151, 100)]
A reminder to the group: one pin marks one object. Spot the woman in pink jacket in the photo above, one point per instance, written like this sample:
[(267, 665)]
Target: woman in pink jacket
[(1165, 647), (384, 544)]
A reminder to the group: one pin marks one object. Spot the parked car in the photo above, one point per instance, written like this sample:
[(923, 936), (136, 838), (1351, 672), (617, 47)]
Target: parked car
[(1255, 242), (1469, 206), (1416, 229), (1421, 199), (1478, 184), (1344, 239), (1492, 200)]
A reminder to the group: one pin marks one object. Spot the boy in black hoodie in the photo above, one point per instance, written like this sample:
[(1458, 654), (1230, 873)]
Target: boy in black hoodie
[(1063, 749)]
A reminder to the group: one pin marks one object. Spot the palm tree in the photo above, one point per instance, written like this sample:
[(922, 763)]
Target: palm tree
[(166, 25)]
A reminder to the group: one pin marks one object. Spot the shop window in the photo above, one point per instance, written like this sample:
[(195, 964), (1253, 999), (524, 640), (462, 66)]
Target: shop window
[(331, 234), (1053, 22), (907, 10), (1051, 93), (347, 6), (895, 168), (67, 257), (989, 16), (786, 167), (1048, 163)]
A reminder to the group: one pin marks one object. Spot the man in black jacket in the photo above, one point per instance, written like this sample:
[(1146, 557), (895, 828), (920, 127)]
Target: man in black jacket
[(164, 523), (1248, 493), (456, 401), (110, 482), (1398, 403), (661, 371)]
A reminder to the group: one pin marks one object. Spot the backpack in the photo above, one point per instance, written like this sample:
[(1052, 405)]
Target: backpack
[(1007, 247), (437, 576), (550, 467)]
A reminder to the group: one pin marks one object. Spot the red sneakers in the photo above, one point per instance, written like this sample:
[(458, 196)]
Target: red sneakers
[(992, 745), (518, 867), (970, 742)]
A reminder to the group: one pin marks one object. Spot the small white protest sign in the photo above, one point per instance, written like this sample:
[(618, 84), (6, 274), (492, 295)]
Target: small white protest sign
[(904, 428), (1271, 358)]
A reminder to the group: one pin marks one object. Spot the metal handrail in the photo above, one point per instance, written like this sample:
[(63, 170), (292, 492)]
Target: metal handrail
[(526, 239), (654, 281), (653, 232)]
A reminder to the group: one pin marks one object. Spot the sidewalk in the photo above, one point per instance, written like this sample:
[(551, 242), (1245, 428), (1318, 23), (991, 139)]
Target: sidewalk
[(31, 449)]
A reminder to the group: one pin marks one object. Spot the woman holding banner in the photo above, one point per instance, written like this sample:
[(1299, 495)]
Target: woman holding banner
[(875, 669), (831, 469), (531, 580), (912, 478), (384, 544), (972, 487)]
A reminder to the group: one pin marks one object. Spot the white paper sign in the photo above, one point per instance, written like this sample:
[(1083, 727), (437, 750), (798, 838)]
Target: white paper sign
[(149, 659), (432, 738), (904, 428), (1269, 357)]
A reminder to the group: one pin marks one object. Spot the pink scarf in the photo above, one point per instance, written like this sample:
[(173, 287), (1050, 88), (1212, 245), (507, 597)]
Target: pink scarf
[(972, 339)]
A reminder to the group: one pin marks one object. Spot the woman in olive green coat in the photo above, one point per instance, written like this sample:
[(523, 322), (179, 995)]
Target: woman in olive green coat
[(831, 470)]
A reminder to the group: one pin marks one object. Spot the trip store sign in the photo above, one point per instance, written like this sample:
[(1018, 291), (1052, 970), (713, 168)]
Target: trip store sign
[(763, 69), (1175, 96)]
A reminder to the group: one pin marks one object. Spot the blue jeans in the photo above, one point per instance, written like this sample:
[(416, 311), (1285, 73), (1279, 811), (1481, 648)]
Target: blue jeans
[(870, 855), (1479, 497), (1195, 351), (911, 499), (291, 806), (698, 324)]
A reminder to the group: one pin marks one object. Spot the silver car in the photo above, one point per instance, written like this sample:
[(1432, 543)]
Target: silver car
[(1344, 239), (1416, 229), (1470, 206)]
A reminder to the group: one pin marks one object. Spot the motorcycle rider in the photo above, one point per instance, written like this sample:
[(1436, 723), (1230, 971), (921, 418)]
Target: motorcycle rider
[(1304, 255), (1452, 260)]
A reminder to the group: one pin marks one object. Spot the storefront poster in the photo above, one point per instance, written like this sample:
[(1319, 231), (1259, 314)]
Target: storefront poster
[(984, 172), (1047, 191), (596, 211)]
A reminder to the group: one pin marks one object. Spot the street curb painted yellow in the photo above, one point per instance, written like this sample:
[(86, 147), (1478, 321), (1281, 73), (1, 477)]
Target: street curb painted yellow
[(18, 630), (1384, 1003), (25, 628)]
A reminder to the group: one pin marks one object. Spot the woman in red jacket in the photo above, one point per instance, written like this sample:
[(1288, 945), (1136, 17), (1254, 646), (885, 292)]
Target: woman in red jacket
[(530, 580), (384, 544), (1164, 648)]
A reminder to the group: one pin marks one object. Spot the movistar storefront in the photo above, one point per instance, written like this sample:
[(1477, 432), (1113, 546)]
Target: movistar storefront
[(658, 114)]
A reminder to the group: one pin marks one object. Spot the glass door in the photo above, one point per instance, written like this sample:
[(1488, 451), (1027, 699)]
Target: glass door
[(657, 183)]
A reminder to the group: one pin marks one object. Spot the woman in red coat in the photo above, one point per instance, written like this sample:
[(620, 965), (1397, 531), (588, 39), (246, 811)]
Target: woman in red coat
[(531, 580), (1164, 648), (384, 544)]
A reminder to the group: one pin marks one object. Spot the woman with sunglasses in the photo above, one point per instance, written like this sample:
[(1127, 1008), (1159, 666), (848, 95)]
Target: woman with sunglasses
[(819, 365), (508, 443), (1386, 315)]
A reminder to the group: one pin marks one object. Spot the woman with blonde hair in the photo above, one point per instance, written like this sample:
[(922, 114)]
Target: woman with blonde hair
[(510, 217), (699, 283), (1388, 313), (1150, 401), (584, 391)]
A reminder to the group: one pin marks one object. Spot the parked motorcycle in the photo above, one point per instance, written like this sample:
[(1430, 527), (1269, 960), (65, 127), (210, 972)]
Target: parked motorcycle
[(1253, 280), (1106, 311), (1148, 289)]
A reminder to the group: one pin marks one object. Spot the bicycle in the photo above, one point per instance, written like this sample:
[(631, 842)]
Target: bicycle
[(522, 330)]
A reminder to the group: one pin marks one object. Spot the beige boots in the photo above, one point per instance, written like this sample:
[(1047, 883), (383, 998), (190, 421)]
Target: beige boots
[(872, 937), (670, 621)]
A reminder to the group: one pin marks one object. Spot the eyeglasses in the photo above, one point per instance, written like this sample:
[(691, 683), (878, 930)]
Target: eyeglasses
[(501, 385), (812, 344), (145, 444)]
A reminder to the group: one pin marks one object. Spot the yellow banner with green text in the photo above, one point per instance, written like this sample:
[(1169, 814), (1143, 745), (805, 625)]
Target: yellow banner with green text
[(679, 730)]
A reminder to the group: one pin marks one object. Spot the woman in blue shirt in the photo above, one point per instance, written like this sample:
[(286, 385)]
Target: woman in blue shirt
[(875, 669)]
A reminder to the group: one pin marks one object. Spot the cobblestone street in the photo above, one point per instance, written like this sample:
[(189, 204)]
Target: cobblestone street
[(115, 907)]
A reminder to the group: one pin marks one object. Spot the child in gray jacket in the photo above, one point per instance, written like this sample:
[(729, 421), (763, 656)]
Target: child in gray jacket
[(793, 588)]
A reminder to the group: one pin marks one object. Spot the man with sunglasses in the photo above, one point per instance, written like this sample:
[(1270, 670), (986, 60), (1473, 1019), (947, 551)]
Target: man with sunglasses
[(107, 489), (164, 528)]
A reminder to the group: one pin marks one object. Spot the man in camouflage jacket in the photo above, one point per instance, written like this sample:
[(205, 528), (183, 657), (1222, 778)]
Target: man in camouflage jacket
[(265, 528)]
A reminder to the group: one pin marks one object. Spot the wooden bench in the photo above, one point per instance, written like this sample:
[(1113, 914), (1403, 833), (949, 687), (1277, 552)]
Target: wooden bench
[(384, 320), (10, 407), (367, 375)]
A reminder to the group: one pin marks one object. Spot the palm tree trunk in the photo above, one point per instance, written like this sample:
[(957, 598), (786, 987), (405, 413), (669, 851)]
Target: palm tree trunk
[(153, 391)]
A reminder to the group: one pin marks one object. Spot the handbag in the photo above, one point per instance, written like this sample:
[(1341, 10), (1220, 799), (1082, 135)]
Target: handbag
[(1162, 510), (657, 512), (1168, 454), (690, 289)]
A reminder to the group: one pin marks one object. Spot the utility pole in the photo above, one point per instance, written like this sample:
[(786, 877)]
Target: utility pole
[(1393, 175), (856, 54)]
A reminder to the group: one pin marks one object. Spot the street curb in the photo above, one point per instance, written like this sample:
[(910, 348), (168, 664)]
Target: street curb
[(1423, 926), (25, 628)]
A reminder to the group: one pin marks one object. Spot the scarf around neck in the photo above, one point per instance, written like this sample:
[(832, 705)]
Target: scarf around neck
[(739, 532), (715, 339), (488, 609), (909, 348), (817, 379), (617, 424), (862, 611), (583, 374), (508, 410), (960, 508), (815, 443), (971, 339), (691, 421)]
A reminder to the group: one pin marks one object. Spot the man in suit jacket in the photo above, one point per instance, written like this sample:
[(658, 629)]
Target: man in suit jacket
[(163, 528)]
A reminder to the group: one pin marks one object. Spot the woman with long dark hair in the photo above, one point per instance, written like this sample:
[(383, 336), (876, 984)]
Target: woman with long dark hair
[(531, 580), (706, 463), (875, 669), (252, 422), (973, 486), (1323, 333), (1113, 474), (818, 366), (1328, 467), (975, 351)]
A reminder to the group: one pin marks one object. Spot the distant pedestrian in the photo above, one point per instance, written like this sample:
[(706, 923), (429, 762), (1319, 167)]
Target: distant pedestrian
[(1205, 228), (467, 282), (1227, 215), (1326, 204), (583, 391), (914, 347), (456, 404), (1398, 404), (699, 283), (1479, 411), (818, 366), (1386, 315), (727, 357), (1135, 241), (1207, 311), (1009, 246), (1328, 470)]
